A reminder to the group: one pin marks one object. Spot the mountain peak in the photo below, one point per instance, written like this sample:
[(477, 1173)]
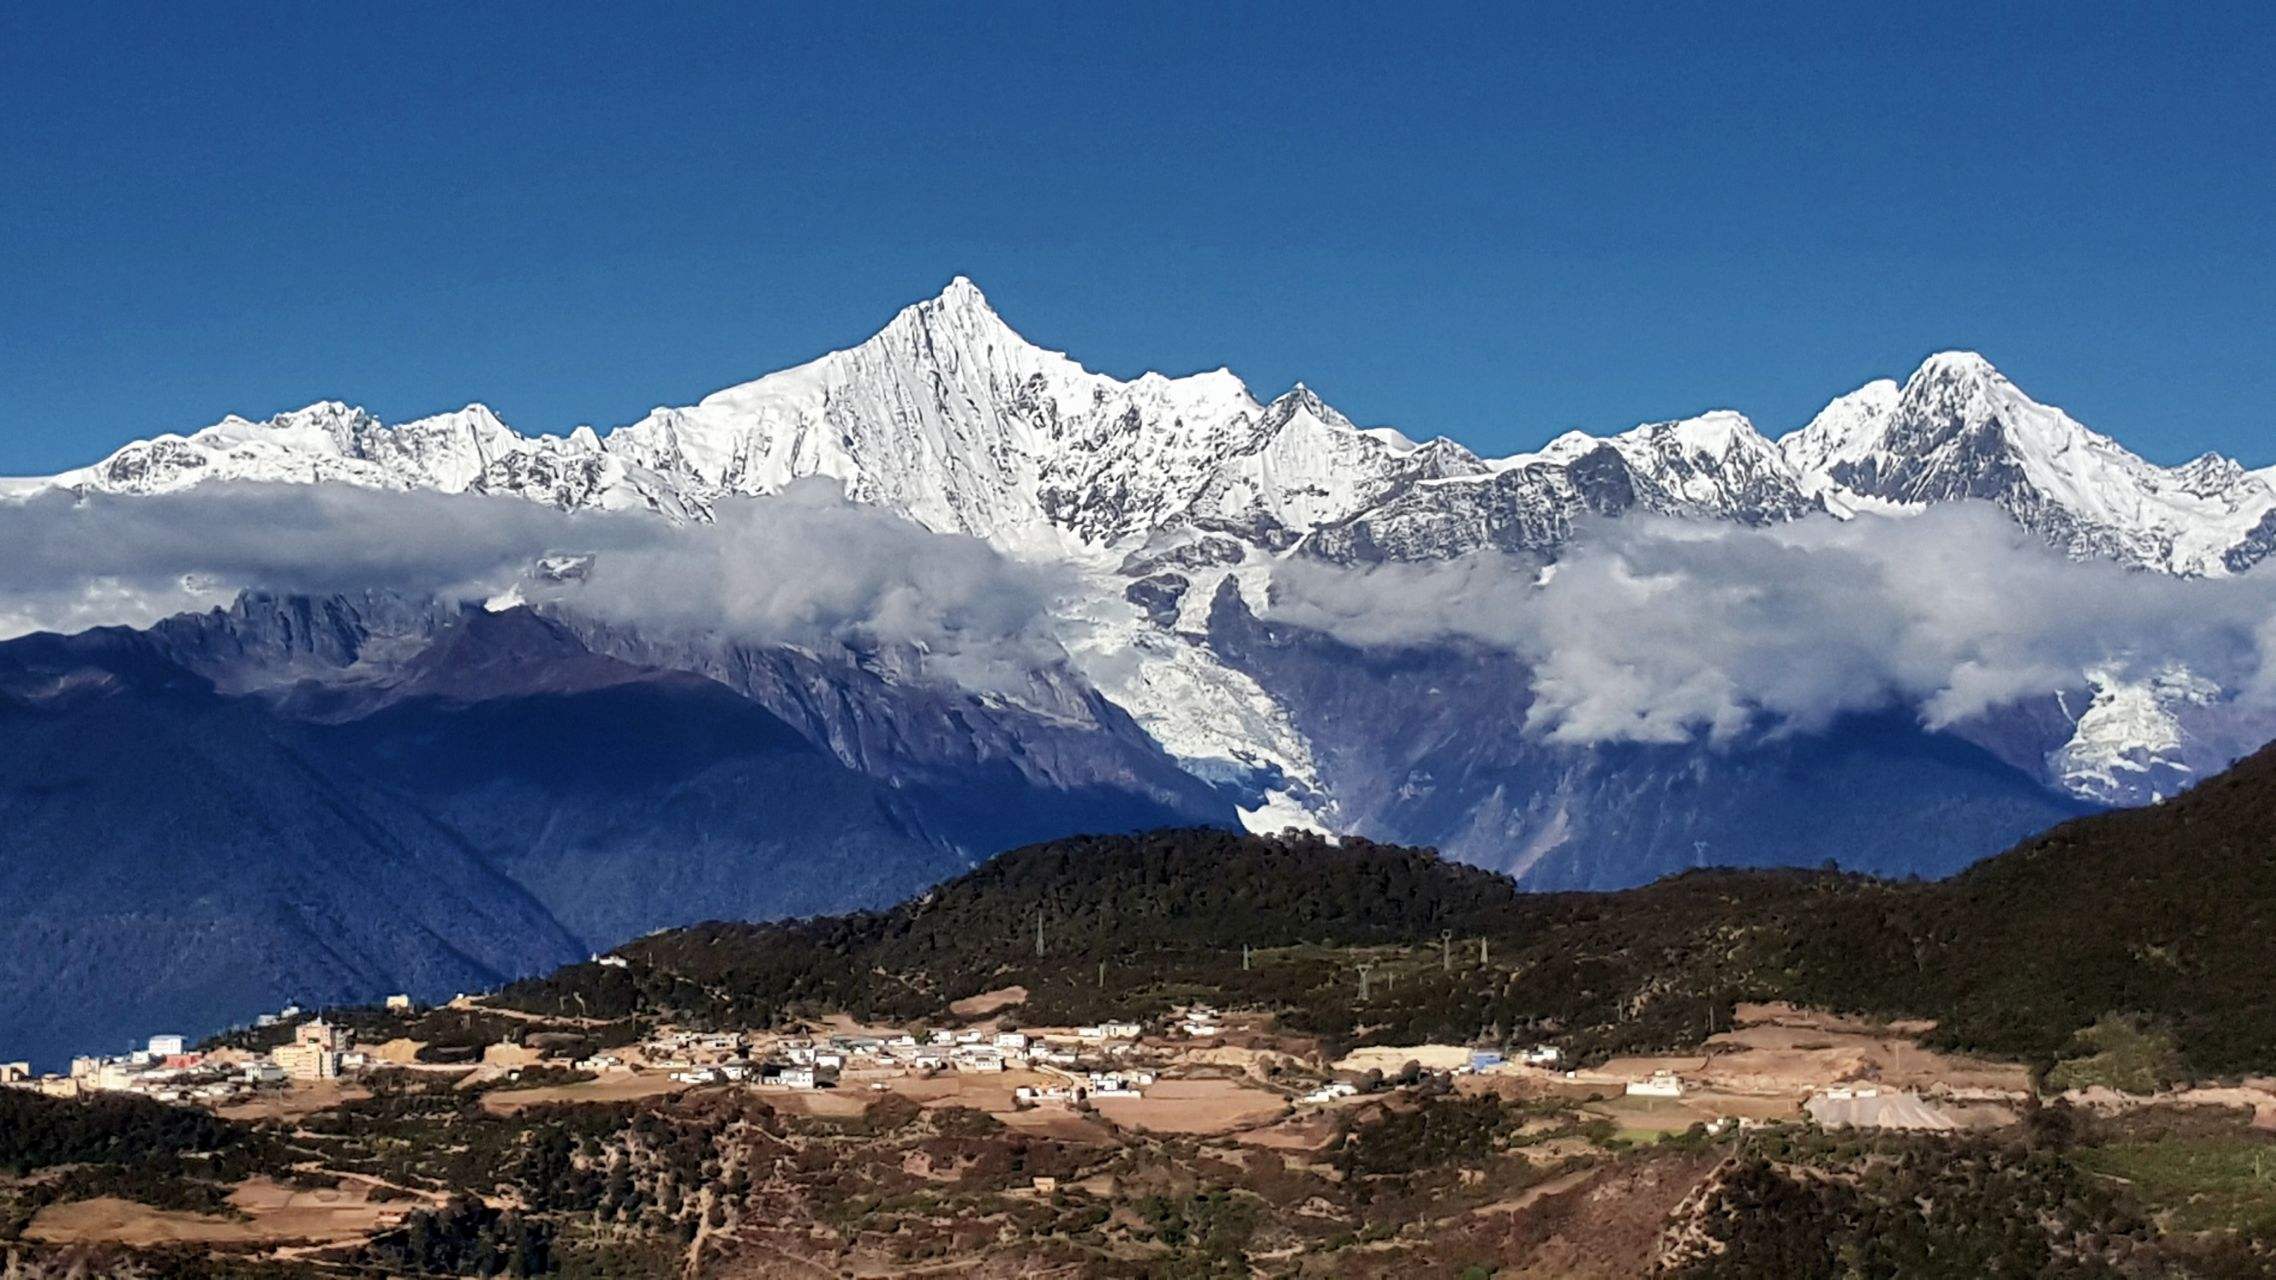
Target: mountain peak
[(961, 292), (1955, 366), (957, 315)]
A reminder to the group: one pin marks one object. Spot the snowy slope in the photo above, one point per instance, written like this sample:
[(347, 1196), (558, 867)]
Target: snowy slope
[(1958, 429)]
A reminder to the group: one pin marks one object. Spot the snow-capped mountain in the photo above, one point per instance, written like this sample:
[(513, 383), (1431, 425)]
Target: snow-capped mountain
[(950, 417), (1958, 429), (1157, 490), (610, 773)]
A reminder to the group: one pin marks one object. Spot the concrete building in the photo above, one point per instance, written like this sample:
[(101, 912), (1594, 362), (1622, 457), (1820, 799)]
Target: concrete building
[(1663, 1084), (319, 1032), (308, 1060)]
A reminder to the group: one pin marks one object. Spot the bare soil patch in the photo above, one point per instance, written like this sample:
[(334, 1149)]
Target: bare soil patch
[(274, 1212), (1193, 1106), (987, 1002), (615, 1086), (1388, 1058), (300, 1098)]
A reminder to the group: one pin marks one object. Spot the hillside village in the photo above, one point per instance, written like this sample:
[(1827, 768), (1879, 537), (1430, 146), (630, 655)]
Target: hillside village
[(1232, 1081), (1777, 1064)]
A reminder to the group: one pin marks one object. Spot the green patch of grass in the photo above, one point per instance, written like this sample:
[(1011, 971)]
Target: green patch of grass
[(2120, 1052), (2206, 1183)]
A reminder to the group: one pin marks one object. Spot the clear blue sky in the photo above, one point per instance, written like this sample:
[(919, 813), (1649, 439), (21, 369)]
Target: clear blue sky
[(1493, 225)]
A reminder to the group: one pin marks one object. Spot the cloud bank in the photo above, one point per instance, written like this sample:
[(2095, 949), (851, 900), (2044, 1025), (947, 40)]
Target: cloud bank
[(1659, 630), (805, 568), (1648, 630)]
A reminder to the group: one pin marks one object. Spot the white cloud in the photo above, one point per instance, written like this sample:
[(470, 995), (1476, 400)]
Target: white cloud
[(1659, 630), (805, 568)]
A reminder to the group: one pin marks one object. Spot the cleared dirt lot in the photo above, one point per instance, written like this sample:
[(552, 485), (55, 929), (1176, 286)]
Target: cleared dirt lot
[(1784, 1052), (1391, 1058), (614, 1087), (274, 1212), (1055, 1122), (301, 1098), (1674, 1115), (987, 1002), (982, 1091), (1305, 1131), (1193, 1106)]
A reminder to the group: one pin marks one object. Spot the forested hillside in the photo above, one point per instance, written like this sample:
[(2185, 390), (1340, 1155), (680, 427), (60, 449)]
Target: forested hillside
[(2161, 913)]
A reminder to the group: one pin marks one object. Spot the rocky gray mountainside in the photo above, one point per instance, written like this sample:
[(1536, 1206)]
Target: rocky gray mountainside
[(333, 799)]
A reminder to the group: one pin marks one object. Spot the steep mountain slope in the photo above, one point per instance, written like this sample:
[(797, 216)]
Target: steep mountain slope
[(178, 859), (335, 799), (1429, 745)]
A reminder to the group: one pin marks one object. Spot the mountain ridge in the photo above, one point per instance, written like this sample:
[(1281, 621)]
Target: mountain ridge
[(949, 416)]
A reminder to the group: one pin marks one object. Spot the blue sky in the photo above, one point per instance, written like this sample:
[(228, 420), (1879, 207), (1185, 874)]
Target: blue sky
[(1493, 224)]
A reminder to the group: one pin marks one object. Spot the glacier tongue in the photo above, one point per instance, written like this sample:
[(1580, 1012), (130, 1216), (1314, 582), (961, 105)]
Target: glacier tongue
[(2130, 744)]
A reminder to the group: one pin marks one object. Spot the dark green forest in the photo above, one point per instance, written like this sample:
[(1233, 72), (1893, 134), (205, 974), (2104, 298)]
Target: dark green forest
[(2163, 914)]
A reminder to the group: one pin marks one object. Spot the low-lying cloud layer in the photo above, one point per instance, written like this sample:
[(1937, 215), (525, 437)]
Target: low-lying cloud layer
[(1657, 630), (1648, 630), (805, 568)]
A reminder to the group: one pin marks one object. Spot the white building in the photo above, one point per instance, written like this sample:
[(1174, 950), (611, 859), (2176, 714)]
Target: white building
[(1663, 1084), (166, 1046)]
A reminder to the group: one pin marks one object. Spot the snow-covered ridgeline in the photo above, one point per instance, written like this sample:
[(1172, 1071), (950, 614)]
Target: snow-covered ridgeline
[(950, 417)]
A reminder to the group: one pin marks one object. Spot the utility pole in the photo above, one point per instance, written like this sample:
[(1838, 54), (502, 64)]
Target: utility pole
[(1446, 950), (1244, 957), (1102, 973), (1039, 933)]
